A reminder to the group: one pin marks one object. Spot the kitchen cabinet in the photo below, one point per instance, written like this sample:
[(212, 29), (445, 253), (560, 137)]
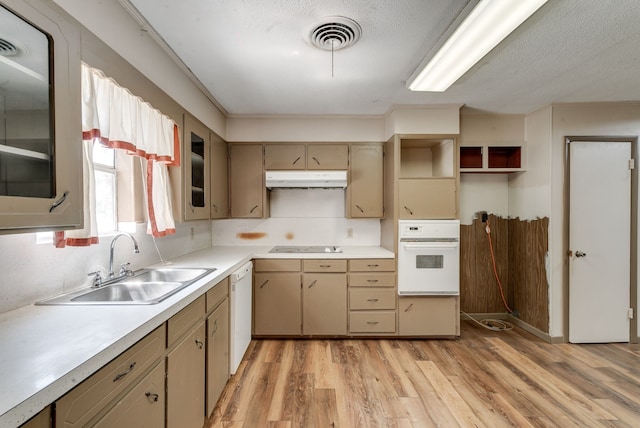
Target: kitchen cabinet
[(142, 407), (428, 178), (429, 315), (328, 156), (365, 190), (324, 297), (219, 178), (186, 367), (41, 420), (284, 156), (372, 297), (277, 309), (246, 175), (41, 179), (494, 158), (427, 198), (196, 169), (96, 394), (217, 343)]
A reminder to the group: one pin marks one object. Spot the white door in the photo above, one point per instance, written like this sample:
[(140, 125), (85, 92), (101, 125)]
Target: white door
[(599, 241)]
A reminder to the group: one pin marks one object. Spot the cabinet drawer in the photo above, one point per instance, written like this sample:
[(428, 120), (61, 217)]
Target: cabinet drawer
[(324, 265), (84, 402), (385, 279), (372, 322), (372, 265), (217, 294), (277, 265), (181, 323), (372, 298)]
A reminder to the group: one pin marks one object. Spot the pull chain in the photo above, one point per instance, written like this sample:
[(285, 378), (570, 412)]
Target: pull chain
[(332, 58)]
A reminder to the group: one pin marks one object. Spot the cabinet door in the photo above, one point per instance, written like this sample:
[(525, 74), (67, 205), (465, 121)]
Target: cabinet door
[(41, 420), (196, 169), (429, 316), (324, 308), (246, 181), (219, 181), (142, 407), (284, 156), (277, 307), (327, 156), (428, 198), (186, 382), (41, 171), (217, 353), (366, 181)]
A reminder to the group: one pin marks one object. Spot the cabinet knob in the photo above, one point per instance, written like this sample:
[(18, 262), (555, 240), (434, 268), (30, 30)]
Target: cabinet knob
[(199, 343), (124, 373), (152, 397)]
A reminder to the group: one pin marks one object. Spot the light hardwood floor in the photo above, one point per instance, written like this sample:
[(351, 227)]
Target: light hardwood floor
[(484, 379)]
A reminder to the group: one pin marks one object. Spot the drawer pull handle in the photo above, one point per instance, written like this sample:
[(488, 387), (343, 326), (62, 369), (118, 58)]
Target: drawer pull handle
[(152, 397), (359, 208), (313, 283), (408, 210), (215, 328), (372, 322), (316, 160), (264, 283), (296, 161), (59, 202), (124, 373), (409, 308), (372, 300), (199, 343), (325, 266), (373, 266), (373, 281)]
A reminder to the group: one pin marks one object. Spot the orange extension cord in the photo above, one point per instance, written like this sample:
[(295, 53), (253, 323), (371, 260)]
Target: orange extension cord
[(495, 270)]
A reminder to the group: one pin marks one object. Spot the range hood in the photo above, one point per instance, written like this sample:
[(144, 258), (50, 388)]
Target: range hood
[(305, 179)]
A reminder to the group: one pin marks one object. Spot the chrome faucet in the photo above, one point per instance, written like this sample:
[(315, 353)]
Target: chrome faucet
[(136, 250)]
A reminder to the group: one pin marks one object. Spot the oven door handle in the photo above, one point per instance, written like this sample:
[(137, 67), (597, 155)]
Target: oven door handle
[(430, 245)]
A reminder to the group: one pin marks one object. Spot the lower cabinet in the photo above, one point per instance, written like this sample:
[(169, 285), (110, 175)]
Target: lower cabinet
[(277, 297), (173, 377), (217, 353), (41, 420), (324, 304), (185, 382), (142, 407), (429, 316)]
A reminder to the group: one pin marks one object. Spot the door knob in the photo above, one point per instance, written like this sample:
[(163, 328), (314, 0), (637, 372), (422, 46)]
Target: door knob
[(580, 254)]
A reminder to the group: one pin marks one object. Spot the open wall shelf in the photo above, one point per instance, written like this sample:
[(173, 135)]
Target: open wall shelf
[(493, 158)]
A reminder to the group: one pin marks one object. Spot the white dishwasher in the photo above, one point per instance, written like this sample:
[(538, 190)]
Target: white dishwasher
[(240, 314)]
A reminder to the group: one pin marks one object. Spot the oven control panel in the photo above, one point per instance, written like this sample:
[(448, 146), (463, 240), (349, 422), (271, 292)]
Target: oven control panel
[(431, 229)]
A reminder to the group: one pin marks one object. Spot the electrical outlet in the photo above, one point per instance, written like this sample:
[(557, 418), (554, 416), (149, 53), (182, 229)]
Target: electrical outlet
[(485, 216), (350, 232)]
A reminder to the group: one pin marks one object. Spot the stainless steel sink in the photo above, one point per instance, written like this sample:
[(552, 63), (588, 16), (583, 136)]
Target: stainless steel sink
[(145, 287)]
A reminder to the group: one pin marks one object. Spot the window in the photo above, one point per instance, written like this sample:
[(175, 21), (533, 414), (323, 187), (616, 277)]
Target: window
[(104, 162)]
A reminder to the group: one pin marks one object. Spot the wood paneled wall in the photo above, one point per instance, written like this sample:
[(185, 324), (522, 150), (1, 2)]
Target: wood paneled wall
[(520, 248)]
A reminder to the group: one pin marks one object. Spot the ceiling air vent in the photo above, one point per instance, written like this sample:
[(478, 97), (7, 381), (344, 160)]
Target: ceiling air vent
[(333, 33), (8, 49)]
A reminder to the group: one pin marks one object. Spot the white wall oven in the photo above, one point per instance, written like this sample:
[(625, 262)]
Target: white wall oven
[(429, 257)]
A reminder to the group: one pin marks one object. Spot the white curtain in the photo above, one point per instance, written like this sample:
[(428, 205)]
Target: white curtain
[(120, 120)]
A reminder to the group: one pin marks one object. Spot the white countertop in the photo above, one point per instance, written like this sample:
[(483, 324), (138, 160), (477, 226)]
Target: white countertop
[(47, 350)]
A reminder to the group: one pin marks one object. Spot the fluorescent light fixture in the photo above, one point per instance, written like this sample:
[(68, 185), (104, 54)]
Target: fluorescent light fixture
[(487, 24)]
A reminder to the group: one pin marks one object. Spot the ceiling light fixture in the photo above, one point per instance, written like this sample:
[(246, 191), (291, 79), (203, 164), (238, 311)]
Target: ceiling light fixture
[(487, 24)]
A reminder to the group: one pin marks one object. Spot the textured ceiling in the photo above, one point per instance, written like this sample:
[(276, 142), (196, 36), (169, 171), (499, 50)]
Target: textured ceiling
[(252, 57)]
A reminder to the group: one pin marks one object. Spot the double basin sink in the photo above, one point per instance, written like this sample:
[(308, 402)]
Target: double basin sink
[(144, 287)]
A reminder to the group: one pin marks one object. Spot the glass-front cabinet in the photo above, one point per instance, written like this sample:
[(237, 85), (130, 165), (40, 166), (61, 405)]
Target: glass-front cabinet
[(196, 169), (40, 132)]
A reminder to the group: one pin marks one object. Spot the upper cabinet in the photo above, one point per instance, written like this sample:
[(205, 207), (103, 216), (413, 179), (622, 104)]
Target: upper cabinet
[(327, 156), (219, 179), (365, 190), (498, 157), (246, 175), (196, 169), (297, 156), (40, 130), (428, 178)]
